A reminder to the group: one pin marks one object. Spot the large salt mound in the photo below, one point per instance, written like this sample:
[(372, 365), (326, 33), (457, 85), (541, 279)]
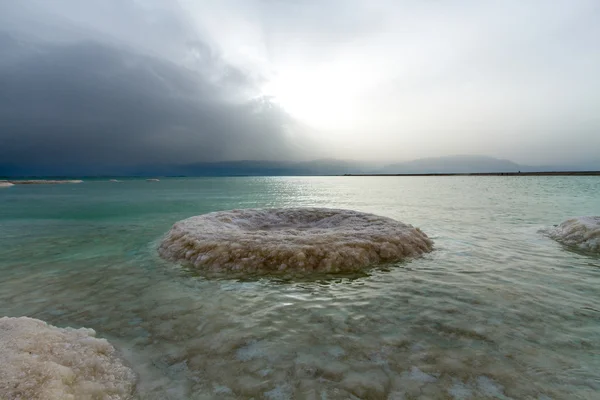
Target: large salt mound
[(40, 361), (291, 239), (581, 232)]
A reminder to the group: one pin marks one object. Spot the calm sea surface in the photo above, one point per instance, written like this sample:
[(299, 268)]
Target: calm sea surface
[(498, 310)]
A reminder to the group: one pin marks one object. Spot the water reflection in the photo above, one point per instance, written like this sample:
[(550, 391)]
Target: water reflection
[(497, 310)]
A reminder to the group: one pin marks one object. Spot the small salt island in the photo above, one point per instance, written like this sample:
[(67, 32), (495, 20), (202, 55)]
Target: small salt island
[(291, 240), (41, 361), (581, 232), (46, 181)]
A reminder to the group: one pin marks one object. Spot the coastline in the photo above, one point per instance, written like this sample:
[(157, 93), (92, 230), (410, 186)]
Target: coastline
[(65, 180), (546, 173), (41, 181)]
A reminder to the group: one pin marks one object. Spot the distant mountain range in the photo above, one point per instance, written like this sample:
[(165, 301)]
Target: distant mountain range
[(276, 168), (223, 168), (452, 165), (449, 164)]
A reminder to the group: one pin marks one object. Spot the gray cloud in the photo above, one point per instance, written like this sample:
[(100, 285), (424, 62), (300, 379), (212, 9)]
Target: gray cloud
[(85, 101), (164, 81)]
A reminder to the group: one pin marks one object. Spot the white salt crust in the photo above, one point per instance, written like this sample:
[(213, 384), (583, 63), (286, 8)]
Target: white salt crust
[(581, 232), (291, 239), (41, 361), (45, 182)]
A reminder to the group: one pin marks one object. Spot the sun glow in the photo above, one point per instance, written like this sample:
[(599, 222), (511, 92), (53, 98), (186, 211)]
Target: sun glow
[(323, 97)]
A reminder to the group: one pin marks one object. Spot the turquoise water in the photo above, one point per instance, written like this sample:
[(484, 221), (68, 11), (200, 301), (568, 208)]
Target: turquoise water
[(498, 310)]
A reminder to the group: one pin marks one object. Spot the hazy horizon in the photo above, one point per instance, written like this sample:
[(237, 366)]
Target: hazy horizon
[(108, 83), (453, 164)]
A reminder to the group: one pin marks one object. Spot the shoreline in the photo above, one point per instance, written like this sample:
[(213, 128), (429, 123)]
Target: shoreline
[(42, 181), (546, 173), (66, 180)]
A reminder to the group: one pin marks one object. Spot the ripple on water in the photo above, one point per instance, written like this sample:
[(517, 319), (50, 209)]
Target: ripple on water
[(336, 340)]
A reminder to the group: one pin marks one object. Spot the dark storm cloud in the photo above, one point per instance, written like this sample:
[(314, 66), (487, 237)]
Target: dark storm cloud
[(90, 102)]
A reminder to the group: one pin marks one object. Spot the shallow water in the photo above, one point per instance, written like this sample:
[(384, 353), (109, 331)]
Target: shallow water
[(498, 310)]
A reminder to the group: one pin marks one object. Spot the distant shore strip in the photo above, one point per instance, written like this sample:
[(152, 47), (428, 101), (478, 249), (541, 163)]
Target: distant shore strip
[(42, 181), (548, 173)]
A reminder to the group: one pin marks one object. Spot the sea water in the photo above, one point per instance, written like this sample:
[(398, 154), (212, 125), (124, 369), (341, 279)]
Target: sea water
[(497, 310)]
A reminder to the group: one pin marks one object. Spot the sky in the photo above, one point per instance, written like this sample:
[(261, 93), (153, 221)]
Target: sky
[(144, 82)]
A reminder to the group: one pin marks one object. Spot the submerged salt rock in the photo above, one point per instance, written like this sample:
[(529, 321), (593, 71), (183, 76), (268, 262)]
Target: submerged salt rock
[(41, 361), (291, 239), (581, 232)]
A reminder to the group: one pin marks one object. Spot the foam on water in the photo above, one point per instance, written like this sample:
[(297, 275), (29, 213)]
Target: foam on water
[(581, 232), (40, 361), (295, 239), (5, 184)]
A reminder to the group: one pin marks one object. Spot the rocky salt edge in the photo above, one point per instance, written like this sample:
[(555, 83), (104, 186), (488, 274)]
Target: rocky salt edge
[(291, 239), (41, 361), (580, 232)]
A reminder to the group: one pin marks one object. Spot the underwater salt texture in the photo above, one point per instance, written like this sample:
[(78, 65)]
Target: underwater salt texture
[(497, 310)]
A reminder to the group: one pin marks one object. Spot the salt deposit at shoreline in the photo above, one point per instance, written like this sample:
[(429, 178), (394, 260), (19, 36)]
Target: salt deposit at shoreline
[(45, 182), (291, 239), (41, 361), (580, 232)]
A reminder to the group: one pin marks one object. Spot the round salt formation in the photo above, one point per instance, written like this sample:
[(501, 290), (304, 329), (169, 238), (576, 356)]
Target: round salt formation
[(581, 232), (291, 239), (41, 361)]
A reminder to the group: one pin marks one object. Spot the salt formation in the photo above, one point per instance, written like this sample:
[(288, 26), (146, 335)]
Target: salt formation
[(5, 184), (291, 239), (41, 361), (46, 182), (581, 232)]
